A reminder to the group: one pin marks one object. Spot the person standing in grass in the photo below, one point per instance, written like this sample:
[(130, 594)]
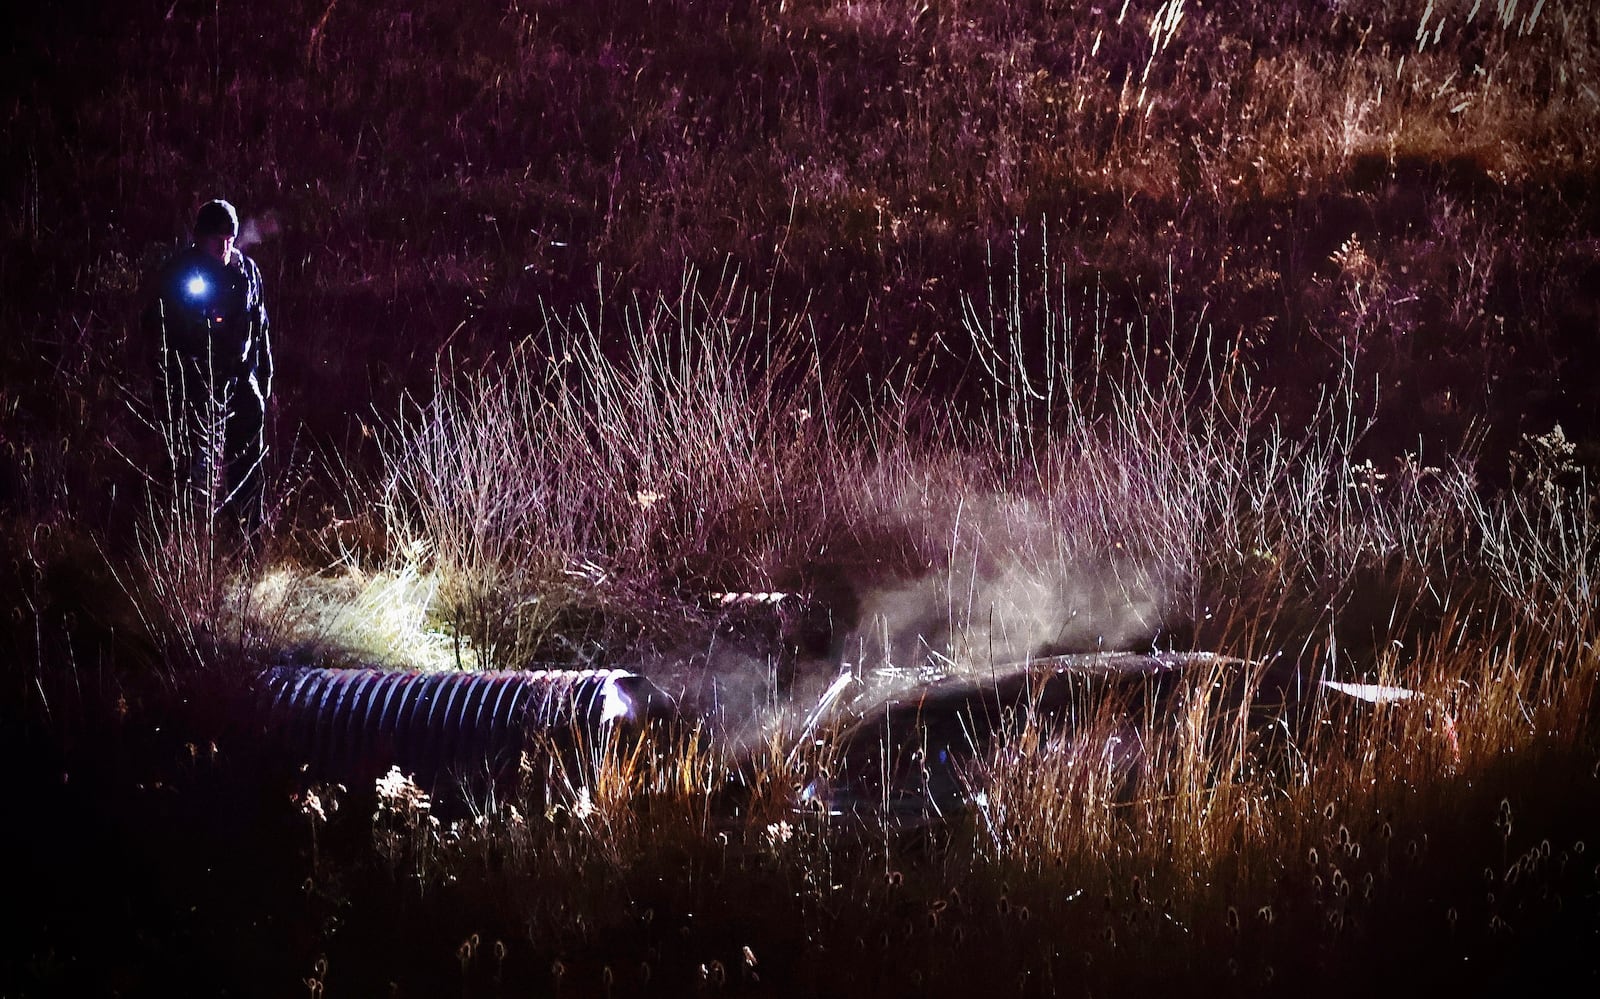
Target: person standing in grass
[(208, 321)]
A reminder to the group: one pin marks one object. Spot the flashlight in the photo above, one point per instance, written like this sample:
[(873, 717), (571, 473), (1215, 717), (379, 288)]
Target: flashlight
[(198, 289)]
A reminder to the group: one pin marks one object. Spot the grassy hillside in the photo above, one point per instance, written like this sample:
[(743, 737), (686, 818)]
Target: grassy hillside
[(980, 331)]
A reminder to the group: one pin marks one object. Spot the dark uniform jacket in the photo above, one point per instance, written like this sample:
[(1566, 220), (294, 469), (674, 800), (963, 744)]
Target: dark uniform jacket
[(211, 319)]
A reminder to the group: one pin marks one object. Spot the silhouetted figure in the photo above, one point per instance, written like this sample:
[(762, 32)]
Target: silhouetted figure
[(208, 322)]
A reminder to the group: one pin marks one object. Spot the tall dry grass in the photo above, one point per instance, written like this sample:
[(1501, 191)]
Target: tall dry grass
[(1112, 485), (1281, 543), (1142, 458), (629, 461), (189, 569)]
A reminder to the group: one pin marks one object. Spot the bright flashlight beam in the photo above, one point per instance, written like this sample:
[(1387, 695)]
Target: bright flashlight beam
[(196, 286)]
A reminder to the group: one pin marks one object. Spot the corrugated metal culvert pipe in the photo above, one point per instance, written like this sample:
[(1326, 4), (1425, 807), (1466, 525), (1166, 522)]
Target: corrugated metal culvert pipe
[(447, 730)]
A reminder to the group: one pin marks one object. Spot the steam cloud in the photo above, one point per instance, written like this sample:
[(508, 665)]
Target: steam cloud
[(257, 230), (1015, 583), (1006, 583)]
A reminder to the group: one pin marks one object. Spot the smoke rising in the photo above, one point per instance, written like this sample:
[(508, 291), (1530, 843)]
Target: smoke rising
[(256, 230), (1011, 582), (985, 616), (1004, 581)]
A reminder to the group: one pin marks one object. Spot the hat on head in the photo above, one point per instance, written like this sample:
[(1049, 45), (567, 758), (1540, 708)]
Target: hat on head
[(216, 218)]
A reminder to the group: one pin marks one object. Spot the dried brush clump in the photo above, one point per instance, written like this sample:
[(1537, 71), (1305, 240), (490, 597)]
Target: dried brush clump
[(1226, 816), (606, 457), (189, 569)]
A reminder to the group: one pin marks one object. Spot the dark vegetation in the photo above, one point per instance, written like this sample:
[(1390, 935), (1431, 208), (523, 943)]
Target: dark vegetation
[(1262, 333)]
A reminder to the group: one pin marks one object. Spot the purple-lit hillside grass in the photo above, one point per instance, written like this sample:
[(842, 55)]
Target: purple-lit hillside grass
[(1263, 526), (859, 153), (1153, 470), (1366, 195)]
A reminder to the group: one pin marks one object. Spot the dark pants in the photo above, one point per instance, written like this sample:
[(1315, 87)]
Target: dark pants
[(217, 439)]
